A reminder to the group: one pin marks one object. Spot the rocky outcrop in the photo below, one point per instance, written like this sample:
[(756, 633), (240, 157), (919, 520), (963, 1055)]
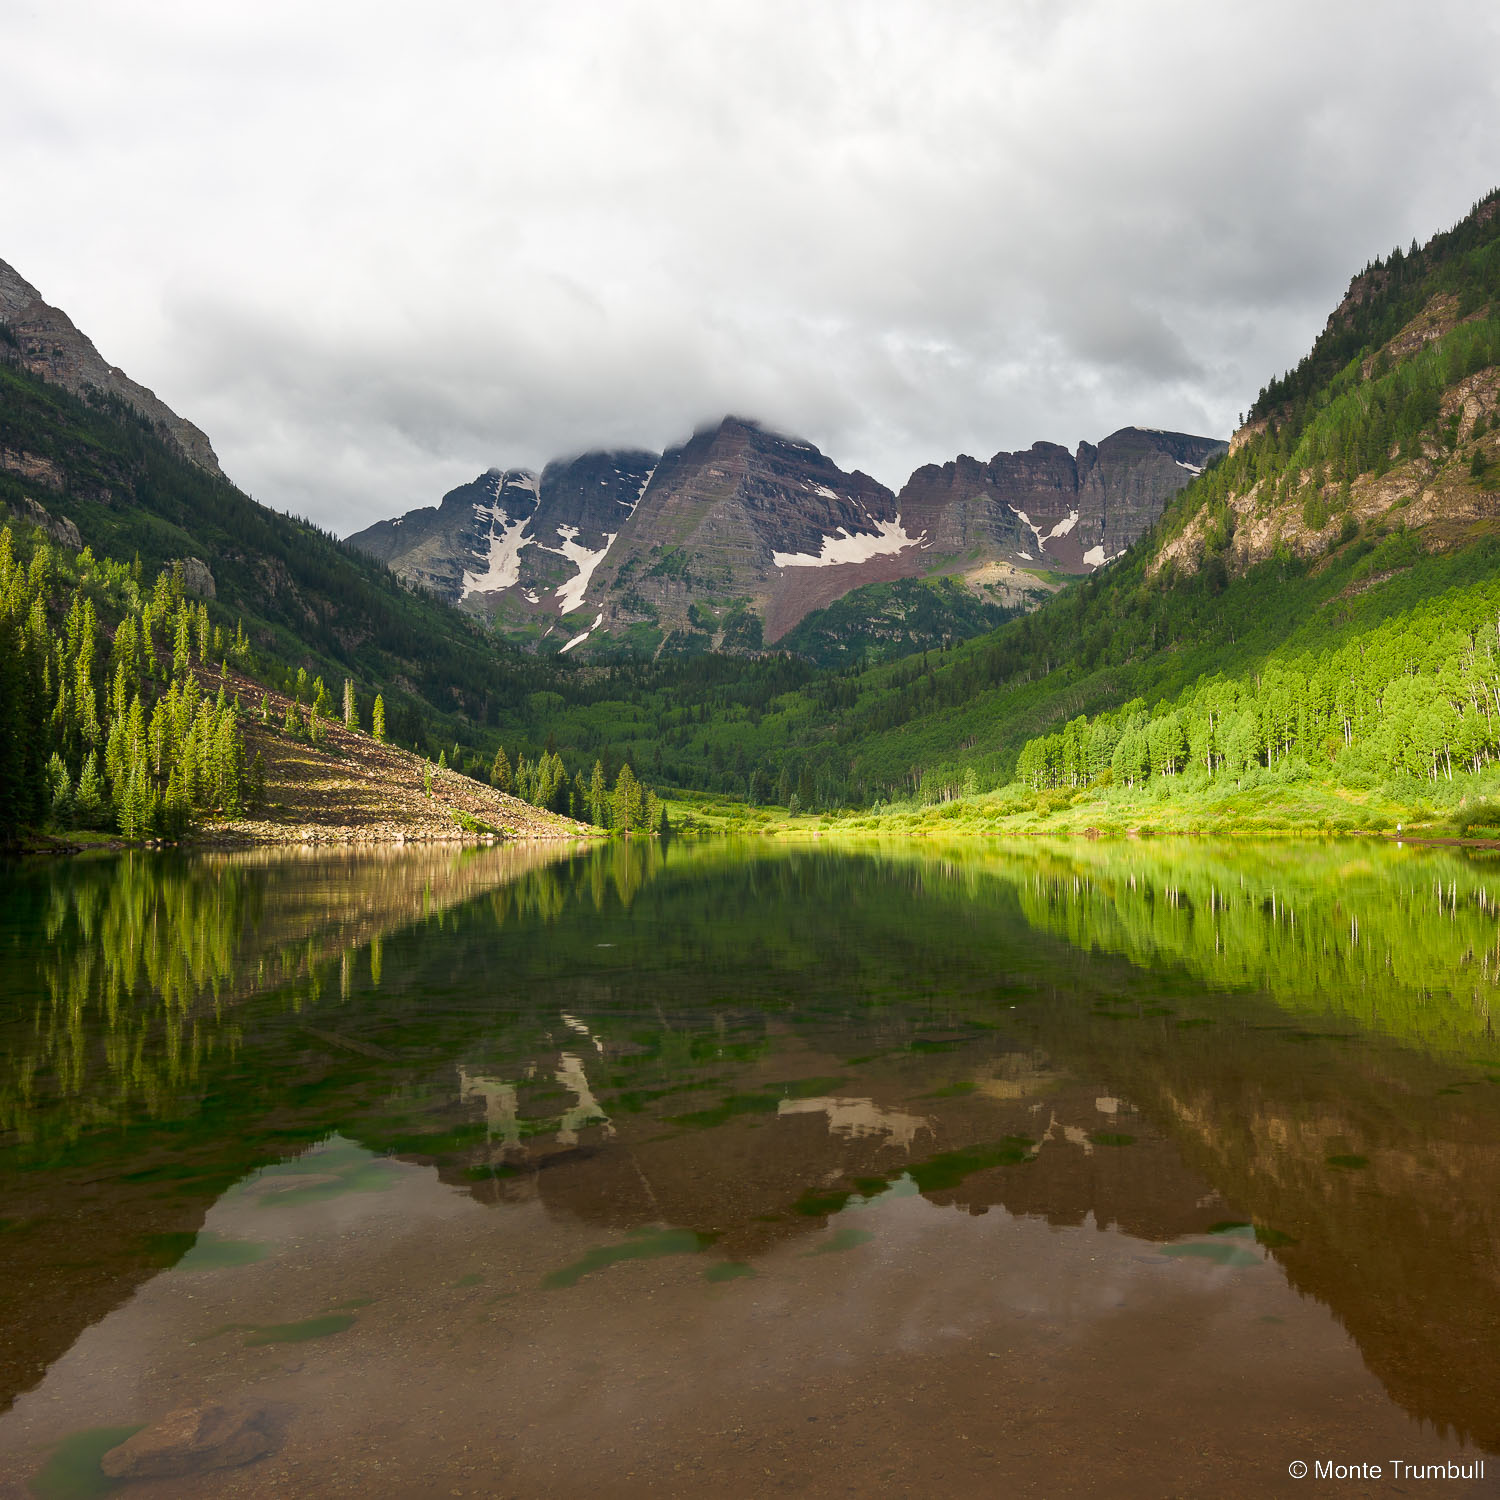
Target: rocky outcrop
[(1434, 495), (197, 579), (45, 341), (31, 467), (59, 528)]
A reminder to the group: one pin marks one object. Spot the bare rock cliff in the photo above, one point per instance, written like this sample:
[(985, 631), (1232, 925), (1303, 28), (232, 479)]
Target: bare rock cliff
[(47, 343)]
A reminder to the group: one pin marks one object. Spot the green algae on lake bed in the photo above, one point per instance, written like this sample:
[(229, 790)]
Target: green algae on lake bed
[(323, 1326), (214, 1252), (73, 1472), (1221, 1254), (847, 1238), (728, 1270), (644, 1244)]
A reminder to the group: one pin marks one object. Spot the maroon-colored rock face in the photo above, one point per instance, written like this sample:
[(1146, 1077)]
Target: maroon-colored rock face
[(1049, 508), (740, 515)]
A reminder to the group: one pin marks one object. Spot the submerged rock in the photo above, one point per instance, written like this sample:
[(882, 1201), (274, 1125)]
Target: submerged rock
[(197, 1440)]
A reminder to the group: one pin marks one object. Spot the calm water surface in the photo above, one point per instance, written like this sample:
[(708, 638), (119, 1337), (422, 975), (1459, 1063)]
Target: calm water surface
[(1134, 1169)]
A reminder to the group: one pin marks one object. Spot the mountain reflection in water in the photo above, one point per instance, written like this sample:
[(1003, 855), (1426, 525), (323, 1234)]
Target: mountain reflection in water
[(786, 1075)]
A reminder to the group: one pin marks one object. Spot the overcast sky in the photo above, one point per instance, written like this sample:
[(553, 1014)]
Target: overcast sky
[(373, 248)]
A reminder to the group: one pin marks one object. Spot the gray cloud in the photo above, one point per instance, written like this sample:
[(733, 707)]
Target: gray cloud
[(372, 251)]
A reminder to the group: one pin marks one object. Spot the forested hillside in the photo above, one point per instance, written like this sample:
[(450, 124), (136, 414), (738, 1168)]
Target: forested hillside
[(305, 599), (78, 634), (1381, 448)]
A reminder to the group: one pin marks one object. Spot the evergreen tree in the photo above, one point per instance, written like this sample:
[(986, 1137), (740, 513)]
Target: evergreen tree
[(60, 791), (377, 724), (89, 799), (628, 810), (598, 797), (228, 767), (182, 649), (560, 789), (176, 806), (500, 771), (351, 706)]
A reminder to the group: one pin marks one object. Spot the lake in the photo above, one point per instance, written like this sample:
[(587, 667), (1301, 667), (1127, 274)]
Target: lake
[(1140, 1168)]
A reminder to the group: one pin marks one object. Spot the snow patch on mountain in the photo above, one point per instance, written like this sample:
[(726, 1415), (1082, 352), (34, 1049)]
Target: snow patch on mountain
[(570, 594), (1062, 528), (846, 546), (1025, 520), (578, 640), (503, 563)]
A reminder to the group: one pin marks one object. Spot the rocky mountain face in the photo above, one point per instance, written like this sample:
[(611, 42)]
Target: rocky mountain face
[(734, 535), (513, 545), (439, 546), (1048, 507), (45, 341), (727, 541)]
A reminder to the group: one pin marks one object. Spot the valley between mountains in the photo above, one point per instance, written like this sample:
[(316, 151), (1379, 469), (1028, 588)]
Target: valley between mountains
[(1293, 628)]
